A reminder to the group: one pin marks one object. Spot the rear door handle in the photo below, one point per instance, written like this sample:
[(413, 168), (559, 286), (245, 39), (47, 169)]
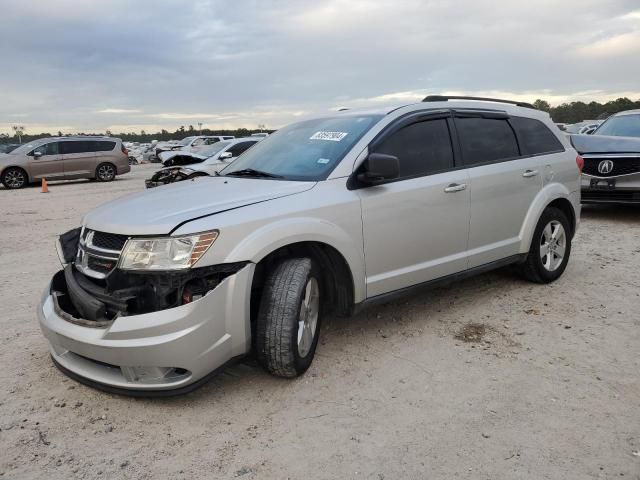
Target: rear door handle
[(455, 187), (530, 173)]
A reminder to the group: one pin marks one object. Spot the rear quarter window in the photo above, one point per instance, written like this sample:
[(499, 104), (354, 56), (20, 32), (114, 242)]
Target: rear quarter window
[(103, 146), (535, 137)]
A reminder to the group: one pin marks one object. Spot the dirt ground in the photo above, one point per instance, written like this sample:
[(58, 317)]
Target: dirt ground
[(490, 378)]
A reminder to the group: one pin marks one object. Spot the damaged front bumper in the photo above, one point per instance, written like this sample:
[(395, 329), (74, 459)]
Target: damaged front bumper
[(125, 348)]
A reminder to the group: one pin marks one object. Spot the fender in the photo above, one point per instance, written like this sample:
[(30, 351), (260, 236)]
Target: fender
[(548, 194), (284, 232)]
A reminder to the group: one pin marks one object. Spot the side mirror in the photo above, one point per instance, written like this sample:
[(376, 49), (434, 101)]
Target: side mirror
[(225, 155), (379, 167), (37, 154)]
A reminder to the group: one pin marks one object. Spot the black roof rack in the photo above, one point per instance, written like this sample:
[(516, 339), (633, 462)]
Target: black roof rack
[(444, 98)]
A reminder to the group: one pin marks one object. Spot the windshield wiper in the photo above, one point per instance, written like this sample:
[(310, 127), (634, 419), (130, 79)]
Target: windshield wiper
[(250, 172)]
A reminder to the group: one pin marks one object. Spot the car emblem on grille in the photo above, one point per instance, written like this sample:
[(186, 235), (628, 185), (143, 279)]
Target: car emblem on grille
[(605, 166)]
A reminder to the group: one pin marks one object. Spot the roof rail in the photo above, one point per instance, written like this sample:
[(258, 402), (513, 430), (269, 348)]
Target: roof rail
[(444, 98)]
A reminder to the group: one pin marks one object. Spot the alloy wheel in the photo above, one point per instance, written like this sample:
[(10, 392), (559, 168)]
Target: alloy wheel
[(14, 179), (553, 245), (106, 172), (308, 319)]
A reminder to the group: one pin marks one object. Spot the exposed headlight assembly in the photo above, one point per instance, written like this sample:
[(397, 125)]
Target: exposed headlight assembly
[(166, 253)]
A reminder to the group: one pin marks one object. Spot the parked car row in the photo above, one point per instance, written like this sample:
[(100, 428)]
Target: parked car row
[(181, 165)]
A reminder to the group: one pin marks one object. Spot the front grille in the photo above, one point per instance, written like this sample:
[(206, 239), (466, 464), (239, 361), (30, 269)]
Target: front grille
[(110, 241), (621, 166), (99, 252)]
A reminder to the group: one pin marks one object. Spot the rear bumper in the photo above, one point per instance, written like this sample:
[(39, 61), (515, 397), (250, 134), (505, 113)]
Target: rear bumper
[(164, 352), (122, 169)]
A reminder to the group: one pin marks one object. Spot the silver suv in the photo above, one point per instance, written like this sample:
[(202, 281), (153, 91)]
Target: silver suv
[(64, 158), (325, 216)]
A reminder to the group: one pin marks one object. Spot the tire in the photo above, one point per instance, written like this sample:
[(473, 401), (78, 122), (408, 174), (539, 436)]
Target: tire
[(14, 178), (106, 172), (291, 299), (543, 265)]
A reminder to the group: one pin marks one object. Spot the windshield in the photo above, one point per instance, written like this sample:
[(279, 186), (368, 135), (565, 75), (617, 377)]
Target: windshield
[(308, 150), (622, 126), (211, 150), (186, 141)]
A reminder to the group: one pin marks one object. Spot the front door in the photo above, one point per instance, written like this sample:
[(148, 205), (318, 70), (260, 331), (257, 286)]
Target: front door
[(416, 227), (47, 162), (79, 158)]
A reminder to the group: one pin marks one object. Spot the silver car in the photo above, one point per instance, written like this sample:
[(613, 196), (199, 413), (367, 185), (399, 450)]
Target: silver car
[(611, 154), (64, 158), (162, 288)]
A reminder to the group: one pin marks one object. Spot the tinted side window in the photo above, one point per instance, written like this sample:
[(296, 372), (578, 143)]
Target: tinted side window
[(102, 146), (422, 148), (238, 148), (48, 148), (535, 137), (486, 140), (76, 147)]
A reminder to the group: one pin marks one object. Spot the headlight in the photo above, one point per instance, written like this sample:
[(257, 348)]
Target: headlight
[(166, 253)]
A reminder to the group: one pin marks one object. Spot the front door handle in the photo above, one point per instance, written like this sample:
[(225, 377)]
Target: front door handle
[(455, 187), (530, 173)]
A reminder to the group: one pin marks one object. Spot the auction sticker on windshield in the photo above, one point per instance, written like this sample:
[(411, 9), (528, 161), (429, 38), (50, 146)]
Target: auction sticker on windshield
[(330, 136)]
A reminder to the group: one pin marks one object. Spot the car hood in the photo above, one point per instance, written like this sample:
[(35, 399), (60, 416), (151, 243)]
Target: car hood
[(206, 167), (605, 144), (158, 211)]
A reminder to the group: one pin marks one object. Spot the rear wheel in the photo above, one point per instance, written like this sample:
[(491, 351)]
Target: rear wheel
[(550, 248), (106, 172), (288, 323), (14, 178)]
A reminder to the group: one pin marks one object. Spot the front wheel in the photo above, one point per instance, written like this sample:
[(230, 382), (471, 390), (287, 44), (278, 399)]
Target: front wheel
[(105, 172), (14, 178), (550, 248), (288, 323)]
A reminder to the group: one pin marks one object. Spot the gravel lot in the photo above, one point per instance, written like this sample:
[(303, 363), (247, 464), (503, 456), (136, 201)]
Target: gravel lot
[(490, 378)]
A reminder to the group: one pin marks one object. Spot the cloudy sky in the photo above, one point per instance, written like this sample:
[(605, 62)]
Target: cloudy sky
[(128, 65)]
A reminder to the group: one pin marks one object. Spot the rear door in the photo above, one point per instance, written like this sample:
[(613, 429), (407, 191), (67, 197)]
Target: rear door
[(79, 158), (416, 227), (49, 164), (504, 183)]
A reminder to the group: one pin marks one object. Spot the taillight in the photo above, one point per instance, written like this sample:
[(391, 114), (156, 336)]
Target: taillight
[(580, 163), (124, 150)]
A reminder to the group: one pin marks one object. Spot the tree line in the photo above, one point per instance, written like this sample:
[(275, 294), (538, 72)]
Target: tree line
[(571, 112), (142, 136), (574, 112)]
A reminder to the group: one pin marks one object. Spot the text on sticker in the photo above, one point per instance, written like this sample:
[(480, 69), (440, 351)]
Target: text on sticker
[(330, 136)]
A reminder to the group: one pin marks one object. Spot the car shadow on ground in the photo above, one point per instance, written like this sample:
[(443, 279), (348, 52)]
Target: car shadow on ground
[(616, 213)]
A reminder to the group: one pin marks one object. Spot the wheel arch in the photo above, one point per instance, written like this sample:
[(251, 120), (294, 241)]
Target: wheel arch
[(337, 278), (21, 167), (554, 195), (106, 162)]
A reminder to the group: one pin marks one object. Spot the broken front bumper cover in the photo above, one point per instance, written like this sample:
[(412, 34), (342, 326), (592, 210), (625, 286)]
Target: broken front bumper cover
[(159, 353)]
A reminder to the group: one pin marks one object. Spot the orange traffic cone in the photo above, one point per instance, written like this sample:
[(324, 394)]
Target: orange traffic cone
[(45, 188)]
